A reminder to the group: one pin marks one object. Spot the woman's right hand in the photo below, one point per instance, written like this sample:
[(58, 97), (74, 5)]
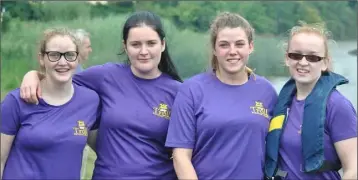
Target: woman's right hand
[(30, 87)]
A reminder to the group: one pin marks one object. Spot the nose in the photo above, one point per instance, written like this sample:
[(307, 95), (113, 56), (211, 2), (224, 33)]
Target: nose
[(303, 61), (143, 50), (62, 61), (233, 50)]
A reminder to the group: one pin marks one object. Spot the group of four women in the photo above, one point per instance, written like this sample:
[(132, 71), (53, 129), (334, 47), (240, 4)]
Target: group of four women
[(144, 123)]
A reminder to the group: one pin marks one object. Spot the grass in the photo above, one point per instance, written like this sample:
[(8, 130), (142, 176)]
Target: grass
[(88, 163), (190, 52)]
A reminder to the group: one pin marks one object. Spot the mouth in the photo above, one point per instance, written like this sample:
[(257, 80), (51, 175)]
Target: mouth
[(62, 70), (302, 71), (233, 60)]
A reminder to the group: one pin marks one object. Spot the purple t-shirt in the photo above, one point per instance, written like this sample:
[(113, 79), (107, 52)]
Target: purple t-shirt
[(341, 124), (134, 122), (49, 140), (225, 125)]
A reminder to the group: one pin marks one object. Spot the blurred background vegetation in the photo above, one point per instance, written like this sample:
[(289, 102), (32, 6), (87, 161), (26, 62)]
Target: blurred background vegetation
[(186, 24)]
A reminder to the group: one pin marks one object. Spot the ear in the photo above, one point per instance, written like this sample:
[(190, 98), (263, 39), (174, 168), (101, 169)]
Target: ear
[(326, 64), (40, 59), (251, 47), (124, 46), (163, 45), (286, 60)]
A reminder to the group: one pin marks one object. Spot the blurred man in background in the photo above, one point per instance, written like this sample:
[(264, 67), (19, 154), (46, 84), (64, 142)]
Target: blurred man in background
[(85, 44)]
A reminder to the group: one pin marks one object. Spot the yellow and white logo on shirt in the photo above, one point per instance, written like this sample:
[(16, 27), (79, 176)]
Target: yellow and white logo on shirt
[(162, 111), (259, 109), (80, 129)]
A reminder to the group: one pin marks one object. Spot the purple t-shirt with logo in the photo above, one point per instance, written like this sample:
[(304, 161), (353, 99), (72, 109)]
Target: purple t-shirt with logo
[(225, 125), (341, 124), (49, 140), (134, 122)]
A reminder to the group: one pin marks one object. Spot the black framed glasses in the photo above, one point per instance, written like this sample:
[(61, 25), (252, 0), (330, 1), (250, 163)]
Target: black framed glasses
[(54, 56), (309, 58)]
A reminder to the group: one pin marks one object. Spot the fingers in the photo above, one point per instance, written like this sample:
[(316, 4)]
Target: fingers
[(39, 92), (33, 96)]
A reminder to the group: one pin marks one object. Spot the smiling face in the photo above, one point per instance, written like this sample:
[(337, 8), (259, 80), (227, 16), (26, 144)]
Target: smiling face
[(305, 71), (57, 68), (232, 50), (144, 49)]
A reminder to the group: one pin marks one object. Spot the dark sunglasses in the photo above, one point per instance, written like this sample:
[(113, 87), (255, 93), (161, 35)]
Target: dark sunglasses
[(309, 58)]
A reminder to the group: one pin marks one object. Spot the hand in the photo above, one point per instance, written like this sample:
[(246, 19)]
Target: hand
[(30, 87)]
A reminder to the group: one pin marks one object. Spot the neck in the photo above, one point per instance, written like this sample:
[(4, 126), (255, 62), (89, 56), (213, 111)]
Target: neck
[(232, 79), (303, 90), (150, 75), (56, 94)]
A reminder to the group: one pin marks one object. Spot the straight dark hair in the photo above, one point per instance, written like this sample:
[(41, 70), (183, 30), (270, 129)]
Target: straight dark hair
[(152, 20)]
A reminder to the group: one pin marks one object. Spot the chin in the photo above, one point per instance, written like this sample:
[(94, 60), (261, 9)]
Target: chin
[(234, 70), (145, 67), (62, 79), (305, 80)]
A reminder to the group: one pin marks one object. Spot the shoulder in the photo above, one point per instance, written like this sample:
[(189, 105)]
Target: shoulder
[(13, 99), (107, 67), (13, 95), (196, 83), (264, 84), (85, 93), (338, 100)]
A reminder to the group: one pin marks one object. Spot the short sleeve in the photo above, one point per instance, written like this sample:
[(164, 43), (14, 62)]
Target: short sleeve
[(91, 77), (10, 115), (182, 125), (341, 118)]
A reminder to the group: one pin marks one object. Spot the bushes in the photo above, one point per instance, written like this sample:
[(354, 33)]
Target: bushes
[(189, 50)]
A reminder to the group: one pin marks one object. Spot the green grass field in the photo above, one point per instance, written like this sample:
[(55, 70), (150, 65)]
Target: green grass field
[(88, 163), (189, 50)]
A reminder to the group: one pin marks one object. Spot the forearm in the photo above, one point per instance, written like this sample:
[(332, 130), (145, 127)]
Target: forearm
[(184, 168), (349, 174), (2, 168)]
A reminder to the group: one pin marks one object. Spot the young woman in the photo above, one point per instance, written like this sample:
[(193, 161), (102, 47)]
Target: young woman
[(46, 141), (220, 118), (314, 130), (136, 100)]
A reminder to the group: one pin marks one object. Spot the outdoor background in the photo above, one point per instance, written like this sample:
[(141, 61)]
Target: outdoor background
[(186, 24)]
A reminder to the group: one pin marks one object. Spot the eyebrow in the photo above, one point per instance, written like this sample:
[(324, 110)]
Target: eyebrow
[(222, 41)]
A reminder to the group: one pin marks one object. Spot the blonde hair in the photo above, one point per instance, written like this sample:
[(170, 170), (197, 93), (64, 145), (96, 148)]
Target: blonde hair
[(231, 20), (52, 32), (317, 29)]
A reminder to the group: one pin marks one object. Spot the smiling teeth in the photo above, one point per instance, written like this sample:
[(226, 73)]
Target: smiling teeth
[(62, 70), (302, 71)]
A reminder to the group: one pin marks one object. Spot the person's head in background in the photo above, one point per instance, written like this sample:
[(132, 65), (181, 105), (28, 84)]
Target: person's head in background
[(232, 43), (145, 45), (307, 53), (85, 43), (58, 55)]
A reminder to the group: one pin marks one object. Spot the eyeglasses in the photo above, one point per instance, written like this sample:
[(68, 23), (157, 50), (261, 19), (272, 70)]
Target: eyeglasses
[(54, 56), (309, 58)]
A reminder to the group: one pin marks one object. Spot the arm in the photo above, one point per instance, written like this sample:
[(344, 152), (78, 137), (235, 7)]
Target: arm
[(91, 140), (342, 128), (182, 163), (182, 133), (347, 153), (10, 124), (90, 78), (6, 143)]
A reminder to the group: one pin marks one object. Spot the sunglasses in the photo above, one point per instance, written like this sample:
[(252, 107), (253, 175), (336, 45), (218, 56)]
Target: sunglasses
[(309, 58)]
